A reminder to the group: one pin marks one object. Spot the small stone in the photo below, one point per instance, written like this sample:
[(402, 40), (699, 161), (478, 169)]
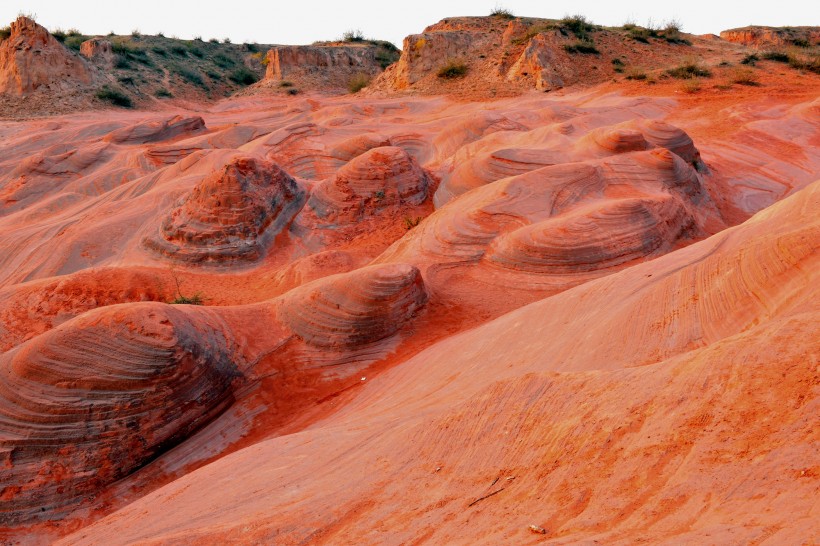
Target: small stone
[(537, 529)]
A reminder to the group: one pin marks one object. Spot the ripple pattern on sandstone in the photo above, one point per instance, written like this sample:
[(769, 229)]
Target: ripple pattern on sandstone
[(379, 178), (592, 238), (354, 309), (101, 395), (231, 215)]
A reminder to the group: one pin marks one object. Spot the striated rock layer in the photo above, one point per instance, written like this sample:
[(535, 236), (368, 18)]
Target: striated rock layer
[(97, 397), (231, 215)]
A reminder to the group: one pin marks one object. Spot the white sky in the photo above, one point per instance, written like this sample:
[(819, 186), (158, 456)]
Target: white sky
[(305, 21)]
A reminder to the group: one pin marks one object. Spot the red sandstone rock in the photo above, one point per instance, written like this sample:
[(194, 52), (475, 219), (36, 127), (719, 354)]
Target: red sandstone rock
[(763, 37), (233, 214), (31, 59), (98, 50)]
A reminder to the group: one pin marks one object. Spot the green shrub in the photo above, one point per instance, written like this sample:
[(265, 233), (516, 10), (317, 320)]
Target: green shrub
[(582, 46), (744, 76), (223, 61), (777, 56), (243, 76), (163, 93), (292, 91), (196, 52), (410, 223), (750, 59), (179, 50), (285, 83), (121, 62), (196, 299), (59, 34), (636, 74), (114, 96), (688, 71), (159, 51), (5, 32), (452, 70), (188, 75), (801, 42), (811, 63), (358, 82), (578, 25), (214, 40), (74, 42)]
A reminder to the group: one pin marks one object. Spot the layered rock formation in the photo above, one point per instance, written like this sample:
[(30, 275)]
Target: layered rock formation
[(348, 311), (92, 400), (326, 66), (156, 131), (379, 178), (31, 59), (232, 215), (763, 37)]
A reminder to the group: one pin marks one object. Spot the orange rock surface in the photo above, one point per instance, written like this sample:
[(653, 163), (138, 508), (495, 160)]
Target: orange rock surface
[(583, 316)]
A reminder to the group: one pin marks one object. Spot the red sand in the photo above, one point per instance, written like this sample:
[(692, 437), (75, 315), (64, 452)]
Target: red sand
[(572, 336)]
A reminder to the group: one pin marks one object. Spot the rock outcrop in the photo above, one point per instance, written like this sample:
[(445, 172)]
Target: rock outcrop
[(96, 398), (31, 59), (157, 131), (98, 50), (379, 178), (355, 309), (763, 37), (325, 66), (232, 215)]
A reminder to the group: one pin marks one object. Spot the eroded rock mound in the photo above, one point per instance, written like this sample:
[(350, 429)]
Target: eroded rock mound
[(594, 237), (355, 309), (96, 398), (323, 65), (231, 215), (379, 178), (98, 50), (156, 131), (32, 58)]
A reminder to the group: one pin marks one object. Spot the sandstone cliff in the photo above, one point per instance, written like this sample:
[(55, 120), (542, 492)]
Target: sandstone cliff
[(758, 36), (32, 58), (327, 65)]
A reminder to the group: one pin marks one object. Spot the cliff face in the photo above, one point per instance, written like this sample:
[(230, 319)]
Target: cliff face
[(31, 58), (769, 36), (325, 65)]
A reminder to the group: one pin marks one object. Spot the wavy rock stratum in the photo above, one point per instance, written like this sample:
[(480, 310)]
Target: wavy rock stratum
[(231, 214), (424, 320)]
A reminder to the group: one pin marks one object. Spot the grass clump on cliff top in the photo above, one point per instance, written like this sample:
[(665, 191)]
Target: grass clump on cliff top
[(502, 13), (114, 96), (355, 35), (452, 70), (578, 25)]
